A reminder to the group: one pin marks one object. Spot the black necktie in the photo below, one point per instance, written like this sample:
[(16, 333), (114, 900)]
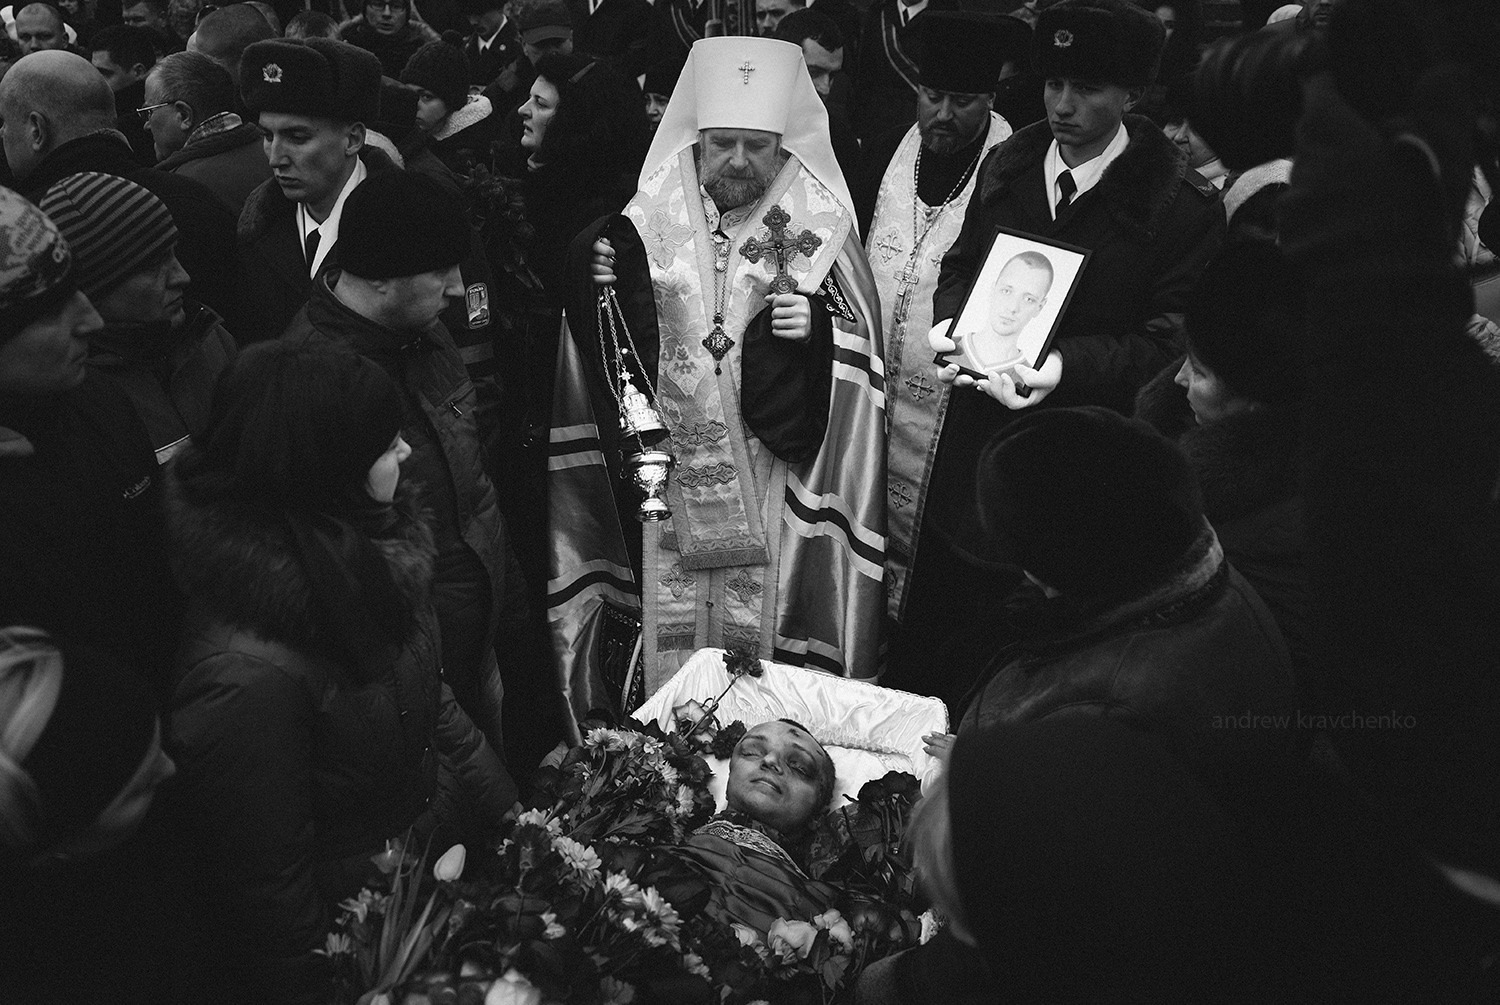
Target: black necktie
[(310, 247), (1067, 186)]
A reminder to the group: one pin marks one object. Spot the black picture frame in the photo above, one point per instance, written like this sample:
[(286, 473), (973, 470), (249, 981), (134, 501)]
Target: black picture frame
[(982, 347)]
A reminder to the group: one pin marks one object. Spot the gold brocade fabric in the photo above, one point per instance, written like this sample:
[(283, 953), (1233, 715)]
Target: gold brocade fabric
[(782, 560), (917, 400)]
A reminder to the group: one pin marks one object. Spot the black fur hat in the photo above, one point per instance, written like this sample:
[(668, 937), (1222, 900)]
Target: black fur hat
[(1106, 40), (317, 76), (1093, 504), (964, 51)]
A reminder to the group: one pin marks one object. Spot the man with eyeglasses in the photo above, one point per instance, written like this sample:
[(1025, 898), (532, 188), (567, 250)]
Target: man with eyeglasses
[(388, 31), (59, 120), (195, 130)]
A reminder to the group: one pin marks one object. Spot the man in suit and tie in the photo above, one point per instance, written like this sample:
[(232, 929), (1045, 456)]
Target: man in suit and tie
[(494, 45), (312, 100), (1090, 176)]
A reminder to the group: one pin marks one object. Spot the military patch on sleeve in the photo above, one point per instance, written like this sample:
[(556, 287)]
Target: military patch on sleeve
[(834, 300), (477, 299)]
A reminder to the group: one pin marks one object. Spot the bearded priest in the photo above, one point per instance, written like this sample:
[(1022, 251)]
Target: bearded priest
[(739, 276), (919, 185)]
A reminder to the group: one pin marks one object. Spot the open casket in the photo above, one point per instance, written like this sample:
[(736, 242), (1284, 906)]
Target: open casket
[(867, 729)]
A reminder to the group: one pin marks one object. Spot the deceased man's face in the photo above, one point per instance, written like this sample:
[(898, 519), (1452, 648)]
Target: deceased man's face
[(775, 776)]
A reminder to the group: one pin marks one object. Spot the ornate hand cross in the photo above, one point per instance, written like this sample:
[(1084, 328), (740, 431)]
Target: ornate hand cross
[(781, 244)]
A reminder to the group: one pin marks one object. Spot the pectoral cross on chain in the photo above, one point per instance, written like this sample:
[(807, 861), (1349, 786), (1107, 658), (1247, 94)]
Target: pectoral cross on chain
[(907, 277), (745, 69), (783, 245)]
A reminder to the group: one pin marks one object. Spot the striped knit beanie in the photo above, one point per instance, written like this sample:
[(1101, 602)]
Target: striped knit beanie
[(115, 227)]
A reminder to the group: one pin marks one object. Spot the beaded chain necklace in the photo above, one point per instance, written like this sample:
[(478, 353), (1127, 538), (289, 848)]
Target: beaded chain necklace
[(907, 276), (718, 343)]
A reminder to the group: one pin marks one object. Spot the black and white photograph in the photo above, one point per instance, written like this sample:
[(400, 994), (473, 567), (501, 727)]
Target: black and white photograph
[(1016, 304)]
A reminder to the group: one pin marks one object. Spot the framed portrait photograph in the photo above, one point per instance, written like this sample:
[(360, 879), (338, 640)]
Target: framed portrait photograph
[(1012, 312)]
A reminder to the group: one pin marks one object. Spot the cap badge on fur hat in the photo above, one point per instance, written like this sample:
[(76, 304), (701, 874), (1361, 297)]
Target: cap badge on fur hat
[(1114, 41), (271, 73)]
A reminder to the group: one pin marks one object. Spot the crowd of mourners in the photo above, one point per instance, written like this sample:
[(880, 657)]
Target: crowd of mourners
[(288, 291)]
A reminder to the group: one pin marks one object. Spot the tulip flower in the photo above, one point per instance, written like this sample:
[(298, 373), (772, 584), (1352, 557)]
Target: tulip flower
[(388, 859), (450, 866)]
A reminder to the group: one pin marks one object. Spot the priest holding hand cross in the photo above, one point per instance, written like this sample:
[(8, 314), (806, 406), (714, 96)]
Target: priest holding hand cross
[(763, 349)]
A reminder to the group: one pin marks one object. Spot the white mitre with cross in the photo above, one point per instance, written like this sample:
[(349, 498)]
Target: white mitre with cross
[(742, 82)]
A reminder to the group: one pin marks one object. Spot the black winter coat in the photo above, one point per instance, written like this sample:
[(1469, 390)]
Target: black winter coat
[(231, 164), (615, 31), (1184, 661), (169, 375), (1151, 225), (504, 49), (205, 228), (1247, 467), (274, 276), (475, 563), (84, 548), (293, 772), (884, 88)]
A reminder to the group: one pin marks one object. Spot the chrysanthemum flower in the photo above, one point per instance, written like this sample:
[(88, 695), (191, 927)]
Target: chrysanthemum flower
[(617, 884), (579, 857)]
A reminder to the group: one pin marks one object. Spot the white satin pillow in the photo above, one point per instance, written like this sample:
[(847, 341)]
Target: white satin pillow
[(867, 729)]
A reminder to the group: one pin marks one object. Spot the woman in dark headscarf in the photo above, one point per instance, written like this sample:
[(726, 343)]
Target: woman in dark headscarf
[(309, 722)]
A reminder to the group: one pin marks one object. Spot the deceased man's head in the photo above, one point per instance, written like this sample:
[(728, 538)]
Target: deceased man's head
[(780, 776)]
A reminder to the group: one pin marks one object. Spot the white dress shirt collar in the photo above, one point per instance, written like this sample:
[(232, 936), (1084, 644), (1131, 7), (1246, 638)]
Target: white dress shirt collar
[(909, 12), (1085, 175), (328, 230), (485, 43)]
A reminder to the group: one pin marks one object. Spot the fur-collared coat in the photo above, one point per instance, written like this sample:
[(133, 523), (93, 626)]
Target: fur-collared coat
[(292, 771), (1247, 467), (1151, 224), (1185, 661)]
